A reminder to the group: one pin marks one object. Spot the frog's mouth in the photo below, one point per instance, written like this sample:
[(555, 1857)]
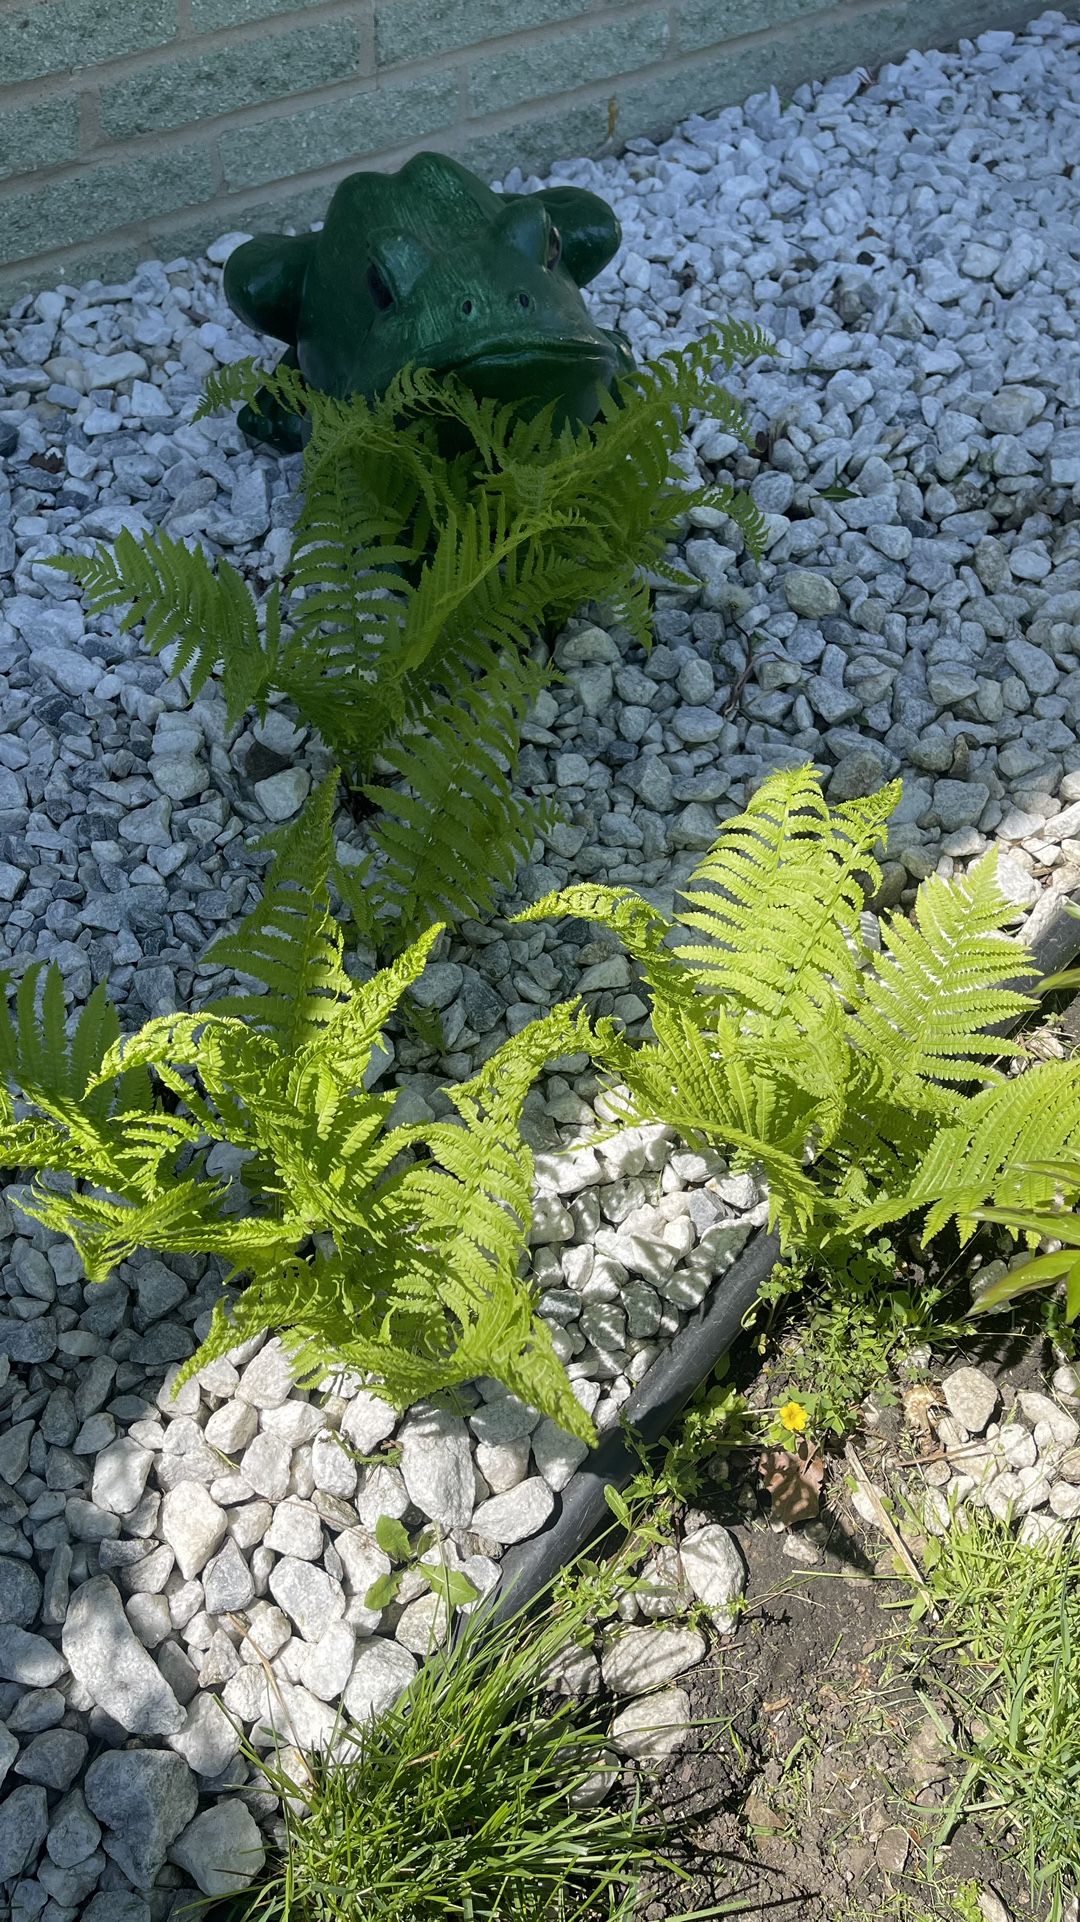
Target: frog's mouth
[(570, 371), (519, 356)]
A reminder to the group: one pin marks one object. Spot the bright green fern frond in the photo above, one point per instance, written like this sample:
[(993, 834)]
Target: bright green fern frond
[(738, 340), (347, 1038), (722, 1091), (107, 1232), (997, 1152), (477, 1192), (677, 576), (58, 1074), (940, 983), (206, 612), (421, 1292), (456, 830), (290, 941), (233, 386), (723, 409), (779, 899), (437, 530), (482, 558), (744, 511), (239, 384), (390, 436)]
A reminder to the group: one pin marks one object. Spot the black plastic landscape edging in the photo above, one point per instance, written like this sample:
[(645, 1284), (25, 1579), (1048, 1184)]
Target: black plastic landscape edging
[(650, 1411), (1053, 936)]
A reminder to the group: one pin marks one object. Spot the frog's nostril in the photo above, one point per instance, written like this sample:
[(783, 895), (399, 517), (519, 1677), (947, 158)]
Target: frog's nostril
[(466, 306)]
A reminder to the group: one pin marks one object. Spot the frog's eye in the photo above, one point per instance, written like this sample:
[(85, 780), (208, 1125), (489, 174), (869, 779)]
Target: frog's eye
[(379, 289), (554, 252)]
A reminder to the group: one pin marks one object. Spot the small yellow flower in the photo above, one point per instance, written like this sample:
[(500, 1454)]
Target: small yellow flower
[(794, 1417)]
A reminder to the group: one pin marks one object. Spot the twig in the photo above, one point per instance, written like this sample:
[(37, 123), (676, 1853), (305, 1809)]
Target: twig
[(887, 1526)]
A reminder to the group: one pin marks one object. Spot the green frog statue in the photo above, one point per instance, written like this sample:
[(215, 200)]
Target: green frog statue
[(429, 266)]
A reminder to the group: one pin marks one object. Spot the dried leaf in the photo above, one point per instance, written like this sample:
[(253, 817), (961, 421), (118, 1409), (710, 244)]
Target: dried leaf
[(920, 1403), (793, 1481)]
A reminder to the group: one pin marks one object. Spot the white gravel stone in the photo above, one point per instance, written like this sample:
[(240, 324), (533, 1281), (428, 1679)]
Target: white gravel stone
[(364, 1563), (282, 795), (367, 1421), (265, 1465), (556, 1453), (268, 1378), (296, 1529), (120, 1473), (598, 1785), (1037, 1408), (503, 1465), (106, 1657), (381, 1491), (28, 1658), (231, 1427), (325, 1666), (382, 1671), (652, 1727), (309, 1596), (333, 1469), (971, 1398), (267, 1633), (715, 1571), (516, 1515), (193, 1525), (228, 1583), (208, 1739), (436, 1464), (638, 1660), (423, 1625)]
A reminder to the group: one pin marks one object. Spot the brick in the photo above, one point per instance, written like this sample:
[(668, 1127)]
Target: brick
[(43, 135), (170, 237), (240, 75), (102, 198), (190, 238), (207, 15), (371, 121), (75, 270), (415, 29), (565, 60), (815, 49), (705, 23), (533, 144), (51, 36)]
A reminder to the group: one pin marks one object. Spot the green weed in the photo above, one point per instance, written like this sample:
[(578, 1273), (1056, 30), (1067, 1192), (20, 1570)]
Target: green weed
[(470, 1801), (1009, 1631)]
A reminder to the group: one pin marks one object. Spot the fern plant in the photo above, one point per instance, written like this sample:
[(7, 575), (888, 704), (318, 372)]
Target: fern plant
[(438, 533), (849, 1077), (1012, 1157), (391, 1250)]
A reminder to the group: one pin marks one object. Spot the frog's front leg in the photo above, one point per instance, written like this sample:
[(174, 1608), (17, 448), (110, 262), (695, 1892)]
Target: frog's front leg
[(626, 362), (266, 422)]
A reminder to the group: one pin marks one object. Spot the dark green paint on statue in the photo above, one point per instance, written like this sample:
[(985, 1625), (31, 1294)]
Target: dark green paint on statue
[(428, 266)]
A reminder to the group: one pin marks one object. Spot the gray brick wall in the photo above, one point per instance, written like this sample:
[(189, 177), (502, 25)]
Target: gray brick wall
[(131, 128)]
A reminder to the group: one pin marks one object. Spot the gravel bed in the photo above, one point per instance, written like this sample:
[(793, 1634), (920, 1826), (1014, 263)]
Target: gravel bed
[(914, 245), (1015, 1453)]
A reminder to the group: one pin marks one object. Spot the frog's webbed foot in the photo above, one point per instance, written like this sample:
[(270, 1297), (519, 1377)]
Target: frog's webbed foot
[(266, 422)]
